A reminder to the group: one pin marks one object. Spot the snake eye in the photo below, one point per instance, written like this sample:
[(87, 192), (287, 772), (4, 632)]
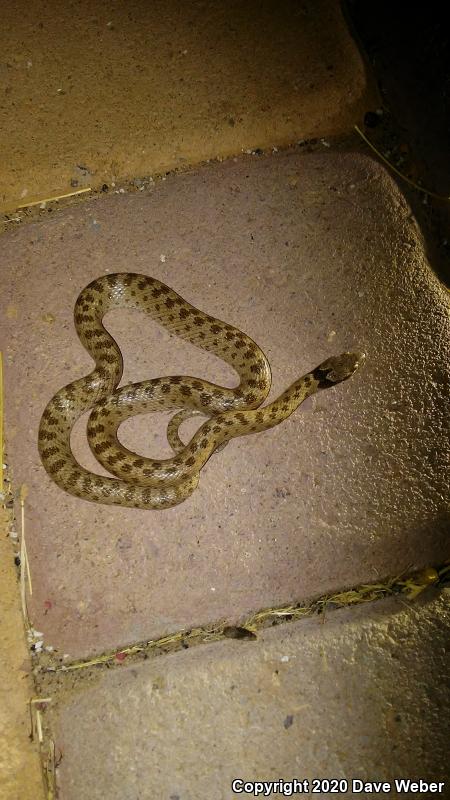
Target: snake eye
[(337, 369), (320, 374)]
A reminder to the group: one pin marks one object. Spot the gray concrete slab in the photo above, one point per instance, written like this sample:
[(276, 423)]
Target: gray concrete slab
[(361, 695), (310, 255)]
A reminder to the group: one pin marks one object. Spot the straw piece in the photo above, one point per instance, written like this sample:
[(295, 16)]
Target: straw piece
[(50, 771), (24, 553), (53, 199), (39, 727), (400, 174)]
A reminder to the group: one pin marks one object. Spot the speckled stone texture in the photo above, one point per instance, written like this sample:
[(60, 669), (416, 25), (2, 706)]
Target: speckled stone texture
[(310, 255), (101, 91), (360, 694)]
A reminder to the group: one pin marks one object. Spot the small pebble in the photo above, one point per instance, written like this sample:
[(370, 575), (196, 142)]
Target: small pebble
[(235, 632)]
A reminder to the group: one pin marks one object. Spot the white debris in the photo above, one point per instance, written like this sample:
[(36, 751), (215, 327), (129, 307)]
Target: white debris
[(35, 634)]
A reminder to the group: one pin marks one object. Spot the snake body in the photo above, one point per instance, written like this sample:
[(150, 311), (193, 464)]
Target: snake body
[(144, 482)]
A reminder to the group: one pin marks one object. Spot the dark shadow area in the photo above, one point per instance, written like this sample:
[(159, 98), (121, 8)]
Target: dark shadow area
[(408, 48)]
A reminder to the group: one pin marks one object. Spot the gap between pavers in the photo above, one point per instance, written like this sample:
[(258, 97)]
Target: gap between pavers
[(107, 92), (343, 492), (50, 671), (20, 771), (357, 695)]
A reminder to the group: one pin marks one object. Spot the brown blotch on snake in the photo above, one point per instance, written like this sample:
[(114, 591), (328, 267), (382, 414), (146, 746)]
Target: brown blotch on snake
[(147, 483)]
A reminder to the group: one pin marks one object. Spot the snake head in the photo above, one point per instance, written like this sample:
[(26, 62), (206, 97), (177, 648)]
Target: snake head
[(337, 369)]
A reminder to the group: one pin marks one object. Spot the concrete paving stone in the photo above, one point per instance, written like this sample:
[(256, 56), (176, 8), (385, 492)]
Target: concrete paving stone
[(360, 695), (99, 92), (310, 254)]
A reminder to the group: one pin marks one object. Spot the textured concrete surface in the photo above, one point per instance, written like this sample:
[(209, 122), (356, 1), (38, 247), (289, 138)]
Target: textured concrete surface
[(20, 771), (310, 255), (351, 488), (361, 696), (96, 92)]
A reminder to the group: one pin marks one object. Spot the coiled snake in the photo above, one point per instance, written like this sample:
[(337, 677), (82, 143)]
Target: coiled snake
[(144, 482)]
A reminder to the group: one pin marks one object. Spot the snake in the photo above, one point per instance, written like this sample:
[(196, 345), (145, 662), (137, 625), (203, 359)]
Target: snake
[(133, 480)]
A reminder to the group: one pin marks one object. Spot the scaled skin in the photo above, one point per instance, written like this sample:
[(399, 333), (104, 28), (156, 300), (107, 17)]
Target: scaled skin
[(149, 483)]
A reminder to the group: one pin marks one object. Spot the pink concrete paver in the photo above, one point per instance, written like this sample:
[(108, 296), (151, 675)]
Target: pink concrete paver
[(361, 695), (310, 254)]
